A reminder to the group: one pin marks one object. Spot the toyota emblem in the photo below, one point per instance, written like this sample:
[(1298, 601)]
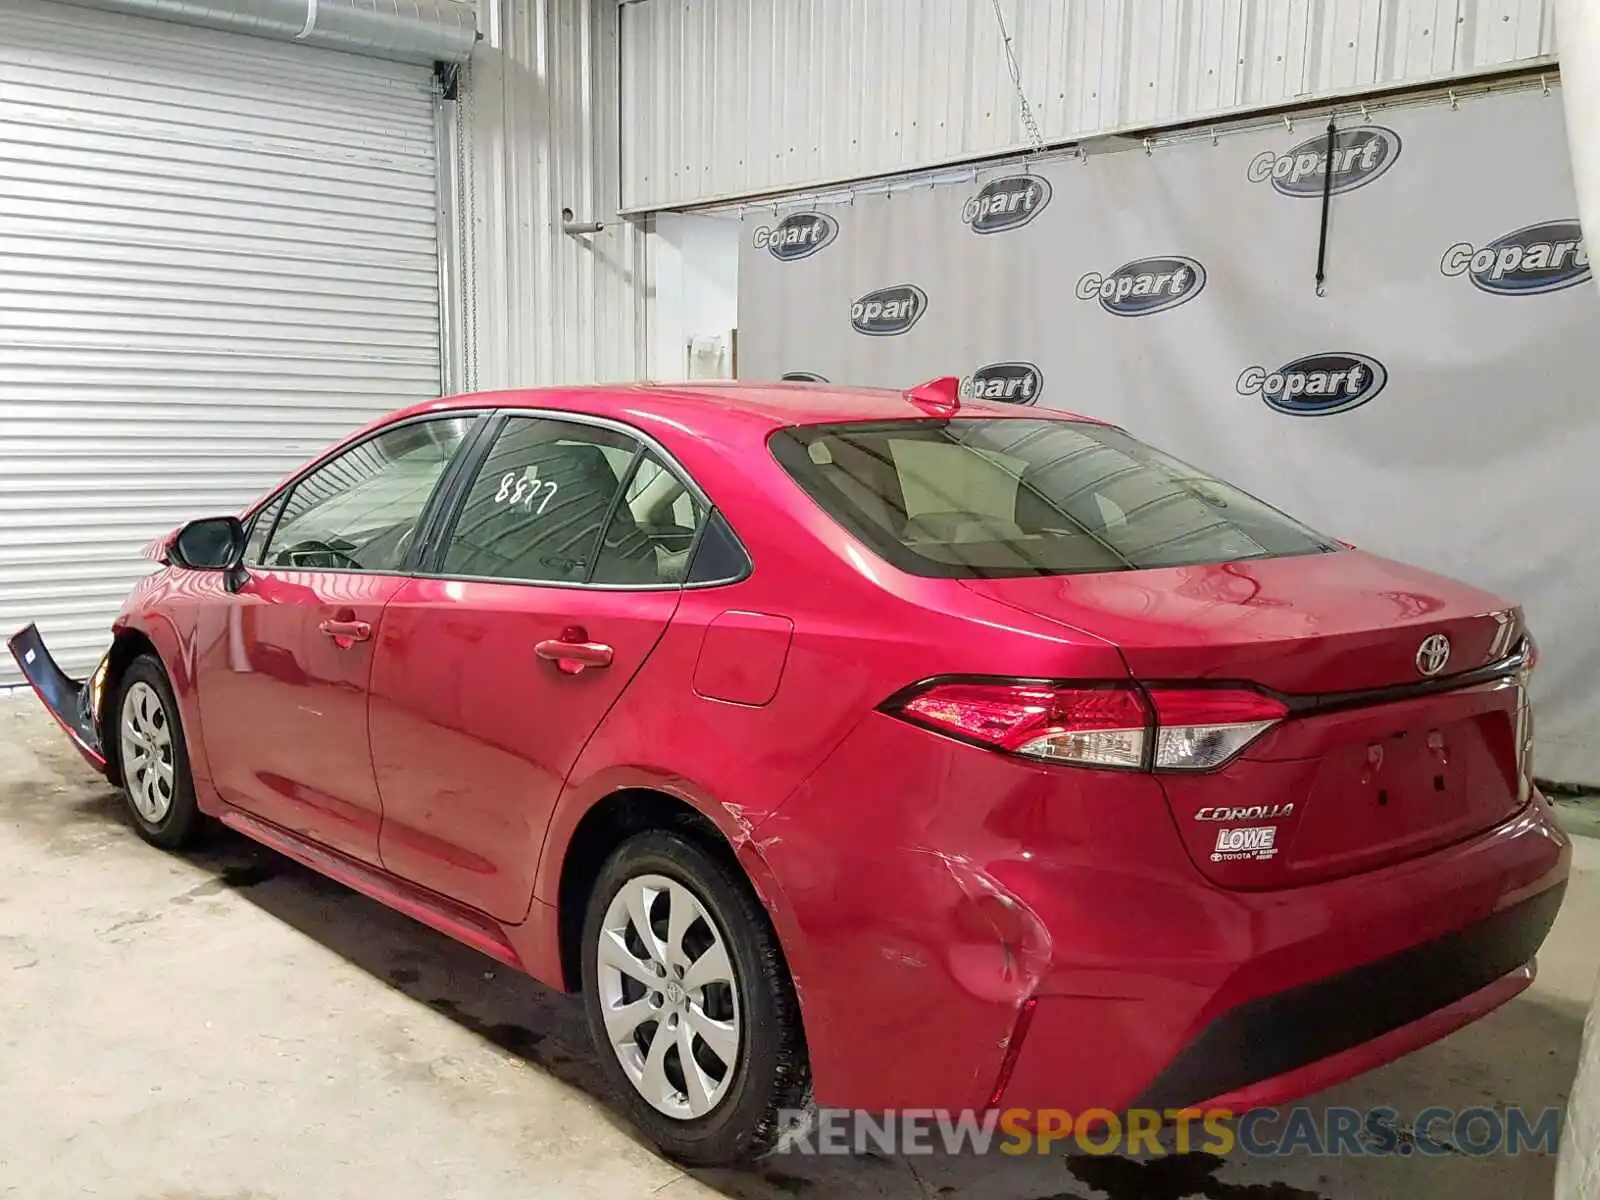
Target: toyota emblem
[(1433, 654)]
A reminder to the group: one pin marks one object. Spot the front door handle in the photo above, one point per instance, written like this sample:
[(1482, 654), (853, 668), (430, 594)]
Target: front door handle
[(346, 633), (573, 651)]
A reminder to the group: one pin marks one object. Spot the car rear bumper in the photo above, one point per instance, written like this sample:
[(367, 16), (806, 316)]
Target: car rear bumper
[(70, 701), (1270, 1037), (970, 885), (1299, 1005)]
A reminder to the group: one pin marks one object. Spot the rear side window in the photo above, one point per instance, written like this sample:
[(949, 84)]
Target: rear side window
[(657, 511), (998, 497)]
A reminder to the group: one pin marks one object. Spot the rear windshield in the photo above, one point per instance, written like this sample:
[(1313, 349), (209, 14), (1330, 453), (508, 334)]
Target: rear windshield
[(998, 497)]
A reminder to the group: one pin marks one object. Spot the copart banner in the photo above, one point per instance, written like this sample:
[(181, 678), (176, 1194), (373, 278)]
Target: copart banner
[(1436, 402)]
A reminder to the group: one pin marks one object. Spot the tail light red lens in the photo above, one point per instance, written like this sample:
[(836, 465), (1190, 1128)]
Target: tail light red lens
[(1093, 726), (1121, 725)]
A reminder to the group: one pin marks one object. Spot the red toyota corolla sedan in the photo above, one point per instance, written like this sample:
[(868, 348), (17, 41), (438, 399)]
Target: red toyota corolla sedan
[(874, 747)]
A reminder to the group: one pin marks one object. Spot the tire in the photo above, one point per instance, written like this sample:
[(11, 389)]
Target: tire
[(153, 758), (768, 1073)]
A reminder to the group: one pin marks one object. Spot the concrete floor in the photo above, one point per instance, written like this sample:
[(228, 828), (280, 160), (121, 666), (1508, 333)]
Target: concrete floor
[(231, 1027)]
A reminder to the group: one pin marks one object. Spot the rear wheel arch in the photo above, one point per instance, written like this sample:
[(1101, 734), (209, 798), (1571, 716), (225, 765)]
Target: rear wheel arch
[(611, 821)]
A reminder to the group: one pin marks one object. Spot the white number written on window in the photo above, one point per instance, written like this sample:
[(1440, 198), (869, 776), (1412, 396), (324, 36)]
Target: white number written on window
[(523, 492)]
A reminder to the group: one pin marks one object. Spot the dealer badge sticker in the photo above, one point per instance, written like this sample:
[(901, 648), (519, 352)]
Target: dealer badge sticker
[(1259, 843)]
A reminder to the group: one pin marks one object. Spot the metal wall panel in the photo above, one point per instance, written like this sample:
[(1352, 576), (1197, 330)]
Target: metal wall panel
[(218, 254), (726, 98), (421, 31), (538, 133)]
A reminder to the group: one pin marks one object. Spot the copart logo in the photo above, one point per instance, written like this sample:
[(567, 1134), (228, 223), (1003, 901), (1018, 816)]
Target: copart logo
[(889, 311), (1317, 385), (1360, 155), (1531, 261), (803, 377), (1007, 382), (1145, 286), (1008, 203), (799, 235)]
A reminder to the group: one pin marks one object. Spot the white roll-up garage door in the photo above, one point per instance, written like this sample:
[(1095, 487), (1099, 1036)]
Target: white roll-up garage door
[(218, 254)]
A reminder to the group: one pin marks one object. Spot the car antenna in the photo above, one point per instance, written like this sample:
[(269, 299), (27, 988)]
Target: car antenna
[(943, 394)]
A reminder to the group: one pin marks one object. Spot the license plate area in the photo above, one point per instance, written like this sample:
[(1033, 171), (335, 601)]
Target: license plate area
[(1400, 783), (1412, 778)]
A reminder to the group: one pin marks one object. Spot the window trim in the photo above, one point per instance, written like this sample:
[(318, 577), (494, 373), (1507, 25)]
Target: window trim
[(618, 499), (456, 479), (285, 490), (473, 457), (275, 503)]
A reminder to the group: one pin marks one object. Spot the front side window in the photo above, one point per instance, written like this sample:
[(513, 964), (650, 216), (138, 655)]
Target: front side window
[(359, 511), (996, 497), (261, 528)]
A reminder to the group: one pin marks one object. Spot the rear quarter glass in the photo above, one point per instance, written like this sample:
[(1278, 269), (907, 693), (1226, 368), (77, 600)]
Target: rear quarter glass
[(984, 498)]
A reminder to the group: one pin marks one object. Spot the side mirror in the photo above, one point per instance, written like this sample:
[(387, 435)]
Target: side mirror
[(210, 544)]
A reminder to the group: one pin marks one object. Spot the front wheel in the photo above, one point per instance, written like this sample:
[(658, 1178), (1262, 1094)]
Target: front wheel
[(153, 759), (689, 1002)]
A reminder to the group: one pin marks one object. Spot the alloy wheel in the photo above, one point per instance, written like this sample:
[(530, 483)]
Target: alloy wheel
[(668, 996), (147, 766)]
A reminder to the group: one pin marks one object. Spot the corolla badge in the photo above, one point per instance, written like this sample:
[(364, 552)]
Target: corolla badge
[(1360, 155), (1145, 286), (1007, 382), (1528, 262), (799, 235), (889, 311), (1317, 385), (1009, 203)]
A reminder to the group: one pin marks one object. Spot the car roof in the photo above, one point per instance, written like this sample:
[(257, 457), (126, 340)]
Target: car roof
[(774, 405)]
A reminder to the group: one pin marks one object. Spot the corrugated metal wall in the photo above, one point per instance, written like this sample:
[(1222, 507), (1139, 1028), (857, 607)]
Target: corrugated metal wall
[(537, 305), (724, 98), (418, 31), (217, 255)]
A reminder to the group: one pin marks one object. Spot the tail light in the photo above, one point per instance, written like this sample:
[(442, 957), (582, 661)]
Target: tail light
[(1524, 730), (1098, 727), (1510, 633), (1199, 729), (1524, 736), (1121, 726)]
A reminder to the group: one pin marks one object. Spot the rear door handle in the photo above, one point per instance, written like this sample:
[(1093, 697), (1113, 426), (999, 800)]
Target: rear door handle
[(345, 633), (573, 651)]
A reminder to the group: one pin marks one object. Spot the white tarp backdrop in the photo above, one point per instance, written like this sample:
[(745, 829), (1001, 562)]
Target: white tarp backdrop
[(1578, 26), (1437, 404)]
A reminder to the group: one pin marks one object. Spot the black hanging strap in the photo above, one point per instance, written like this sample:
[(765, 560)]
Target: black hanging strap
[(1327, 198)]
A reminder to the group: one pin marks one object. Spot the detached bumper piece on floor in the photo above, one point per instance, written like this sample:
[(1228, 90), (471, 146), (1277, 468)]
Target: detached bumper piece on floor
[(69, 700)]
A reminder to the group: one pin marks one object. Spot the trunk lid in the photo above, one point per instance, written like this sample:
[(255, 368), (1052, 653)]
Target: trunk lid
[(1364, 771), (1304, 625)]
